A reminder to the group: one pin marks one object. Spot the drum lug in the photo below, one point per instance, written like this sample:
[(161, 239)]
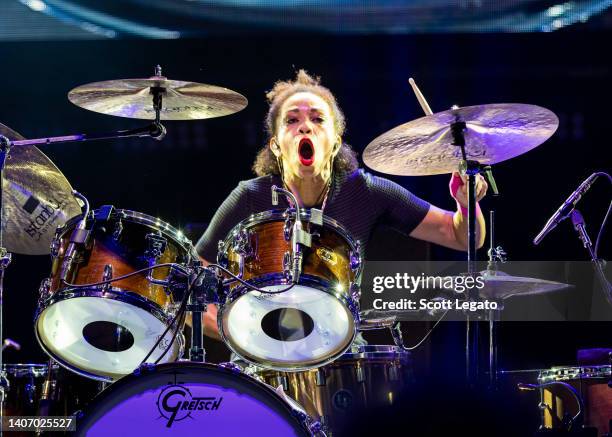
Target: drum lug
[(44, 291), (242, 244), (281, 381), (30, 392), (355, 257), (320, 377), (360, 374), (156, 246), (172, 309), (287, 264), (393, 373), (55, 246), (355, 291), (107, 275), (287, 229), (222, 254), (118, 230)]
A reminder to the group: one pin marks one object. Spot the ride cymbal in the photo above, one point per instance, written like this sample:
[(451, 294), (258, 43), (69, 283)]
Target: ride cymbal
[(493, 133)]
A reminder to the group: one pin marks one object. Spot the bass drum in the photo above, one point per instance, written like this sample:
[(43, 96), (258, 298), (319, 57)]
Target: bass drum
[(188, 398)]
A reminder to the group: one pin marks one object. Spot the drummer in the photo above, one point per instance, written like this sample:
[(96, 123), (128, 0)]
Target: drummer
[(306, 154)]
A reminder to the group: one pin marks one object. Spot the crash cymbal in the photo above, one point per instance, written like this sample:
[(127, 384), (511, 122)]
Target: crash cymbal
[(493, 133), (132, 98), (37, 199)]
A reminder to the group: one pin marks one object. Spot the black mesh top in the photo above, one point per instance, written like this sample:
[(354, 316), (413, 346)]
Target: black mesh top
[(359, 201)]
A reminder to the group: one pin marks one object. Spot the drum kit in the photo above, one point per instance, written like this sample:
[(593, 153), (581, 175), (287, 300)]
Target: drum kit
[(113, 308)]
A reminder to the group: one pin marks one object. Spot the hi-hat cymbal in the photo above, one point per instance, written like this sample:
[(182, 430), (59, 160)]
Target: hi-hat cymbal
[(493, 133), (499, 285), (132, 98), (37, 199)]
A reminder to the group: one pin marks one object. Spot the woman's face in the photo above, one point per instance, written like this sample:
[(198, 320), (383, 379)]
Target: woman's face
[(306, 136)]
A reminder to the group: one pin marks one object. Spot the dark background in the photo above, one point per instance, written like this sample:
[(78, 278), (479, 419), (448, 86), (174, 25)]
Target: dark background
[(185, 177)]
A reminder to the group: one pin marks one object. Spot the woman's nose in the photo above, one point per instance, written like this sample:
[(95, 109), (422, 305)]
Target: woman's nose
[(305, 128)]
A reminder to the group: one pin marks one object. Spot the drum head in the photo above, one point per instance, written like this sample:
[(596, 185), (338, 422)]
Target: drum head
[(298, 329), (189, 399), (102, 338)]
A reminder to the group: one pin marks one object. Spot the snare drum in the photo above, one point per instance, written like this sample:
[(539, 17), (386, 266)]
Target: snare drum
[(366, 377), (591, 382), (104, 331), (307, 326), (187, 398)]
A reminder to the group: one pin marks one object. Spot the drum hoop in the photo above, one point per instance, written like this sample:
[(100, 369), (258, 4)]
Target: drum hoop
[(304, 279), (575, 372), (25, 369), (280, 215), (143, 219), (113, 294), (184, 366), (376, 351)]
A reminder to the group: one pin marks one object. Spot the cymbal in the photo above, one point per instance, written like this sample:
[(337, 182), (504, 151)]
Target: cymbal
[(132, 98), (37, 199), (499, 285), (493, 133)]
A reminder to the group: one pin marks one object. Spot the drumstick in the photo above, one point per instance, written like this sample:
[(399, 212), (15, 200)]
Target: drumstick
[(420, 97)]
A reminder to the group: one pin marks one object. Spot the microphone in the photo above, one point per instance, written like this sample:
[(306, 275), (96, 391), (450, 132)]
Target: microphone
[(299, 237), (79, 235), (274, 195), (565, 209), (296, 243)]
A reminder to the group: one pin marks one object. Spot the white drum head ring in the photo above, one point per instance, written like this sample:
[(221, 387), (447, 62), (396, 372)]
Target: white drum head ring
[(300, 328), (104, 337)]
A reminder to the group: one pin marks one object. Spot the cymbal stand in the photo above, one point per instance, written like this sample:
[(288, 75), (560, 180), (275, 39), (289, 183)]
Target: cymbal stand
[(471, 168), (206, 284), (5, 260), (496, 255), (155, 130)]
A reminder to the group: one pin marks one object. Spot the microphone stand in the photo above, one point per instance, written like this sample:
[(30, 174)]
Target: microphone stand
[(580, 227)]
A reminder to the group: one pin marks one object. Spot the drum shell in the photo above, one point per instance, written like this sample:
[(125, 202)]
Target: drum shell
[(121, 242), (258, 247), (367, 377), (34, 392), (591, 383)]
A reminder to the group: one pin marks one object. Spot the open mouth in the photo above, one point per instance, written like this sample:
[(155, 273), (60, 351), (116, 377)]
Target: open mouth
[(306, 151)]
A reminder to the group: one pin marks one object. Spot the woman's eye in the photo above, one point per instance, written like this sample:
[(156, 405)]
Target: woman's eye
[(318, 120), (291, 120)]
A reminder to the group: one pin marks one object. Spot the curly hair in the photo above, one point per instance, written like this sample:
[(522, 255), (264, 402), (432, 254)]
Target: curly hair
[(266, 163)]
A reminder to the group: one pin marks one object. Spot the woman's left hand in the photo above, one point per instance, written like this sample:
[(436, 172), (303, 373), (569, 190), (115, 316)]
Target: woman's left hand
[(459, 188)]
